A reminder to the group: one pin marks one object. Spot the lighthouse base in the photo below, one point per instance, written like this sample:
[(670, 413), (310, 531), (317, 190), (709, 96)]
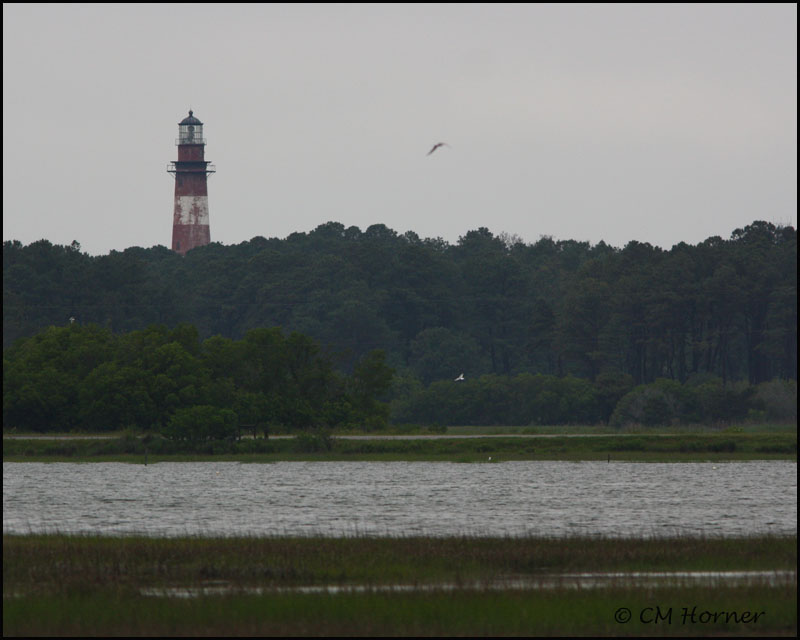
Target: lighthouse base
[(188, 236)]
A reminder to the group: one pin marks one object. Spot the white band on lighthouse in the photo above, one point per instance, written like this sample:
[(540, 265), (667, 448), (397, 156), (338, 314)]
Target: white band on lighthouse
[(191, 210)]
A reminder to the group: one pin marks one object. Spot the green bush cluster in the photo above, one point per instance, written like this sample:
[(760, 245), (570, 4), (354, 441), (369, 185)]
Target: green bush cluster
[(548, 400), (171, 382), (667, 402), (493, 399)]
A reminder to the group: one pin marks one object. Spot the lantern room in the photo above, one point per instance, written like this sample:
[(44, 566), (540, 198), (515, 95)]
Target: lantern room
[(190, 131)]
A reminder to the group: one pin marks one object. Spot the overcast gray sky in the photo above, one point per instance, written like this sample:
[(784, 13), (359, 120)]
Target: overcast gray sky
[(656, 123)]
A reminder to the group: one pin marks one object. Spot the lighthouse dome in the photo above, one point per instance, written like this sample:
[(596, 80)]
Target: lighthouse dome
[(190, 119)]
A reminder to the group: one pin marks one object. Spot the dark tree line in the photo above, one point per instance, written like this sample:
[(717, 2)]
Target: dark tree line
[(486, 305), (170, 381)]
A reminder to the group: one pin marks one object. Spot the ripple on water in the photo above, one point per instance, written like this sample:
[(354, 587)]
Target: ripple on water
[(403, 498)]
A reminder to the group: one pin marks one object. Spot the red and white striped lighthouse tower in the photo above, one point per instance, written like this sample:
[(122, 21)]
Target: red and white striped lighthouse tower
[(190, 227)]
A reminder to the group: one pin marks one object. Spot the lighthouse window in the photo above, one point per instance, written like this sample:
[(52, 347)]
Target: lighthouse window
[(191, 134)]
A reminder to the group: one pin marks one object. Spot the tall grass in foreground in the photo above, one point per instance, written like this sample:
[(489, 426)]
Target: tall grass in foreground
[(539, 613), (85, 585)]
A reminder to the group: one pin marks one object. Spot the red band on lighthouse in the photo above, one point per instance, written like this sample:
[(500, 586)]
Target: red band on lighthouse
[(190, 222)]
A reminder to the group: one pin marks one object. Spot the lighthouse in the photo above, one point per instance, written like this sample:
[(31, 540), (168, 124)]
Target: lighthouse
[(190, 226)]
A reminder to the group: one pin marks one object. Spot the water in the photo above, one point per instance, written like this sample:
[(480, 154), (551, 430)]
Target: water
[(402, 498), (578, 581)]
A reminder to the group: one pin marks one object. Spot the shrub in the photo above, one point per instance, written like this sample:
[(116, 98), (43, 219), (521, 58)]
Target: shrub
[(778, 400), (201, 423), (312, 442), (650, 405)]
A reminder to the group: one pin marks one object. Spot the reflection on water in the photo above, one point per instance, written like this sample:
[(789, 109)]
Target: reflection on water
[(602, 580), (402, 498)]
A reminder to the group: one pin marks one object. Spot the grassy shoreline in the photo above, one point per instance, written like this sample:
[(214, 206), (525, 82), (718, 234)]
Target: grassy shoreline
[(61, 560), (473, 447), (93, 585)]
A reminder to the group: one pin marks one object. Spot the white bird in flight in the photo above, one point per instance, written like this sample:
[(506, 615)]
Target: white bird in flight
[(436, 146), (461, 377)]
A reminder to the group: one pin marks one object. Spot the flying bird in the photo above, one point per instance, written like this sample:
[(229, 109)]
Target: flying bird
[(461, 377), (436, 146)]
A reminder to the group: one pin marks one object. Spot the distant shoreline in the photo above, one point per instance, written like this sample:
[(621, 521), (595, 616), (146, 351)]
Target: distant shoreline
[(621, 447)]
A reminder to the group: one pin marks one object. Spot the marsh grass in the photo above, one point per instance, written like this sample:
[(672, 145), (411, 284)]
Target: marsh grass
[(551, 613), (92, 586), (717, 446), (55, 562)]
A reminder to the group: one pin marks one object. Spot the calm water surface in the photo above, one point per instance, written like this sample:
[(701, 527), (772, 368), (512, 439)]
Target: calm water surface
[(402, 498)]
